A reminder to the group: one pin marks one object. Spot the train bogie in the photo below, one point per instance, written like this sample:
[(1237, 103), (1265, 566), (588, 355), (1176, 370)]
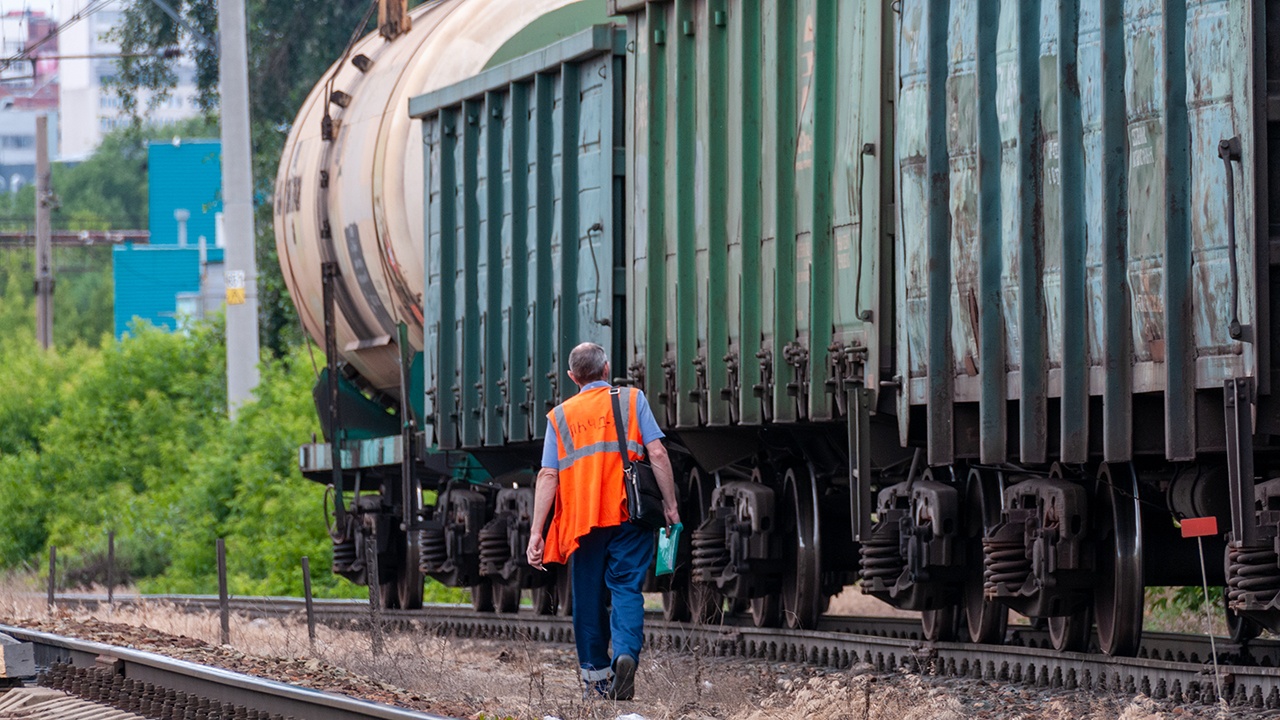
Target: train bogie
[(915, 555)]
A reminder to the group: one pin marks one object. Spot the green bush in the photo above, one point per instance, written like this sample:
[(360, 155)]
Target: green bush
[(99, 439), (245, 486)]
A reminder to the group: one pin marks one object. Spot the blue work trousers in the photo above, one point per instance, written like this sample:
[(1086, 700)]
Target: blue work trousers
[(616, 558)]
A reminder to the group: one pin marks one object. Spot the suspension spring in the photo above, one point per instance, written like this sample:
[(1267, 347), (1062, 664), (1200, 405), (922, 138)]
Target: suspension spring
[(1253, 576), (881, 560), (344, 553), (710, 551), (1006, 564), (495, 550), (433, 550)]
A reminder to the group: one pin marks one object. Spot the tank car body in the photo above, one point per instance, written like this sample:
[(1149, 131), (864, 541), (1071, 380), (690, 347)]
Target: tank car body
[(349, 188), (967, 302)]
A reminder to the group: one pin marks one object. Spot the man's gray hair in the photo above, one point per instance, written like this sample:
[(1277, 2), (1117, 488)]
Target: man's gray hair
[(587, 362)]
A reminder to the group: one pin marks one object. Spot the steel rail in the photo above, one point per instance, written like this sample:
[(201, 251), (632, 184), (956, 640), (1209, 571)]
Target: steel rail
[(1169, 665), (1172, 647), (199, 681)]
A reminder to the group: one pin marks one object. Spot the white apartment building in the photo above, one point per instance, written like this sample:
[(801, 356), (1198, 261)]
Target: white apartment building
[(87, 108), (18, 146), (27, 89), (14, 30)]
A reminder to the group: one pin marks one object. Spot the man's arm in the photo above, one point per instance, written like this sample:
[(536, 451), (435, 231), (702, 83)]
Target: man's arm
[(666, 480), (543, 496)]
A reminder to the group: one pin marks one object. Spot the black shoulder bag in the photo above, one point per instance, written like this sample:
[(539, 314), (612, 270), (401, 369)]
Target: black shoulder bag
[(644, 499)]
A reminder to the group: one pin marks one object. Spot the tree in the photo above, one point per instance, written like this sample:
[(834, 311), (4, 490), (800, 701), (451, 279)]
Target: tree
[(291, 45), (134, 438)]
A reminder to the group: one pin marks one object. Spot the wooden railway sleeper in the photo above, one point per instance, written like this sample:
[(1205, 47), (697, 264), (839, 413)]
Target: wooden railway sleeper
[(106, 686)]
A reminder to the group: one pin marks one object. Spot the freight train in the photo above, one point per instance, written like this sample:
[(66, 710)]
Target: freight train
[(966, 302)]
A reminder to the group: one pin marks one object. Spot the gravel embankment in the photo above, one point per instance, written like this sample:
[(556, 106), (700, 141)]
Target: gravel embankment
[(486, 679), (496, 680)]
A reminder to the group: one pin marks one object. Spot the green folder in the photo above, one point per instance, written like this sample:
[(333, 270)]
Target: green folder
[(668, 548)]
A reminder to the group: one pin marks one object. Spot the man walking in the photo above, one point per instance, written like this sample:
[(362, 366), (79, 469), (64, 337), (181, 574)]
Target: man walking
[(582, 473)]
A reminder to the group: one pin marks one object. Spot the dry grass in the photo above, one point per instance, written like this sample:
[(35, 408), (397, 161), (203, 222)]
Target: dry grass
[(851, 601), (1168, 616), (518, 679), (523, 679)]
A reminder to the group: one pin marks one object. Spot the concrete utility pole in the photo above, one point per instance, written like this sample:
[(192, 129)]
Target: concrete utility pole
[(44, 244), (237, 206)]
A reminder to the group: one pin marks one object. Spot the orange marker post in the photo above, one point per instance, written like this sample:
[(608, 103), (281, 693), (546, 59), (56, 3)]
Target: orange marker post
[(1199, 528)]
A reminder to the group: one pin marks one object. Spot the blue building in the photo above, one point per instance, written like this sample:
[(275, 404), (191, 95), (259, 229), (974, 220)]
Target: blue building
[(185, 175), (168, 278), (149, 282)]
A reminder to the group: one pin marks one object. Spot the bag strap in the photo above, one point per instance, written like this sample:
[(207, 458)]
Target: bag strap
[(617, 424)]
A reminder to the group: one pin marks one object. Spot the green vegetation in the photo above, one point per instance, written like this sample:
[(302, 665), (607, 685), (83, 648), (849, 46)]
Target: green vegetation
[(134, 437), (81, 302)]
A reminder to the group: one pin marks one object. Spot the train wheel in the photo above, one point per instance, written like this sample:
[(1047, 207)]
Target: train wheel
[(986, 618), (675, 605), (564, 589), (408, 586), (802, 596), (696, 601), (1070, 633), (1118, 594), (766, 611), (482, 596), (387, 595), (506, 596), (544, 600), (940, 625)]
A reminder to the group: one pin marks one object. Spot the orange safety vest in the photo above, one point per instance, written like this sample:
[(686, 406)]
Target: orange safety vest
[(590, 493)]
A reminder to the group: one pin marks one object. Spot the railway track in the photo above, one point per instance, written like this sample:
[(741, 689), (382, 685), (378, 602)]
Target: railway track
[(153, 686), (1169, 666)]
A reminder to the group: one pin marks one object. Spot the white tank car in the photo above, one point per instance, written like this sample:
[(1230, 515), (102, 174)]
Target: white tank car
[(356, 199)]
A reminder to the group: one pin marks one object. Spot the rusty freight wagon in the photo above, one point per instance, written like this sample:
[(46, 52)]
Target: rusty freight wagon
[(965, 301)]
